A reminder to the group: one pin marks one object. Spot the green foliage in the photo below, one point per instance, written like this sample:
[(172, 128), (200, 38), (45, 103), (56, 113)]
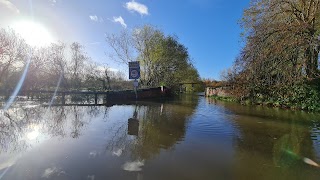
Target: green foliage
[(164, 60), (228, 99), (278, 65), (304, 96)]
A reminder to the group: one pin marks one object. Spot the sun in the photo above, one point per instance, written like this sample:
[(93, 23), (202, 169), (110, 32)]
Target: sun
[(33, 33), (34, 133)]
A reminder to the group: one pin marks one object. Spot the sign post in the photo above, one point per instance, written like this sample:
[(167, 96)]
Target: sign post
[(134, 70), (134, 73), (136, 84)]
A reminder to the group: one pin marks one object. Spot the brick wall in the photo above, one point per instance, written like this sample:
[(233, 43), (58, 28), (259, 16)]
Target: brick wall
[(217, 91)]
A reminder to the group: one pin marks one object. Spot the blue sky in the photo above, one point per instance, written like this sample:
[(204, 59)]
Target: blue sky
[(208, 28)]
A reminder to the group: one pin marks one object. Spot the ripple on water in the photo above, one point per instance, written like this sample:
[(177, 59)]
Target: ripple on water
[(212, 121)]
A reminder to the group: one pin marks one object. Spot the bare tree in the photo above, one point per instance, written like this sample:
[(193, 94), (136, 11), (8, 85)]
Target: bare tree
[(57, 65), (76, 66), (122, 45), (12, 56)]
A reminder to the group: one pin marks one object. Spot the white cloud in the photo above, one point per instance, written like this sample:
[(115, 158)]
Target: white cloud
[(53, 171), (93, 154), (133, 166), (49, 172), (7, 4), (95, 18), (118, 152), (138, 7), (120, 20)]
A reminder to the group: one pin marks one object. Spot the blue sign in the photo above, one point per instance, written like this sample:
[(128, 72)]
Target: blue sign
[(134, 70)]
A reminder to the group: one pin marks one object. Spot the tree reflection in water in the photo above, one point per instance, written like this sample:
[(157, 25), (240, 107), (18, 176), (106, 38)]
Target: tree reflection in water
[(273, 142), (23, 124), (153, 127), (146, 129)]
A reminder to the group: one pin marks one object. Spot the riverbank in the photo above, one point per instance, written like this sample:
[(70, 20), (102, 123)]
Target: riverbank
[(283, 104)]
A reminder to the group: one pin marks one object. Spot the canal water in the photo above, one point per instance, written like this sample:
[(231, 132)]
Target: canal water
[(186, 138)]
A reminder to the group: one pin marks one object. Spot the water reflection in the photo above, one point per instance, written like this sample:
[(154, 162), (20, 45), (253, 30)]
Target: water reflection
[(150, 128), (184, 138), (275, 142), (128, 135), (133, 124), (21, 125)]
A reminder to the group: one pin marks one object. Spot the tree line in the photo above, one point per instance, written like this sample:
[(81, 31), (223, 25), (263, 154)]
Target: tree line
[(69, 65), (164, 61), (279, 63)]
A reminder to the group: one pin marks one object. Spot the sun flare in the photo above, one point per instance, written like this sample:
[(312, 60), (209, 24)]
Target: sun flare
[(33, 33), (34, 133)]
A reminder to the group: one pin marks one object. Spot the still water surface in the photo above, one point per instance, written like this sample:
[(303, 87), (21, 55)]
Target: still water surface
[(189, 137)]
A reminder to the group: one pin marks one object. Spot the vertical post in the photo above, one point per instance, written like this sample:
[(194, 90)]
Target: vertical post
[(105, 97), (63, 98), (135, 84), (95, 98)]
